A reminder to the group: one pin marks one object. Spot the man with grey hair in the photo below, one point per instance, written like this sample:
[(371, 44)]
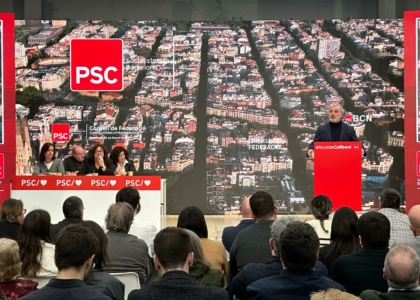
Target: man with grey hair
[(335, 130), (256, 271), (126, 252), (401, 271)]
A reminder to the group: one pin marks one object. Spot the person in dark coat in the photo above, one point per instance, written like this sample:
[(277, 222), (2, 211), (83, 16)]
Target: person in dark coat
[(173, 259), (122, 165), (73, 213), (11, 216), (97, 162)]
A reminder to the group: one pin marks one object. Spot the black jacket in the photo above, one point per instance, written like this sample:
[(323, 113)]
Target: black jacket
[(9, 230), (71, 164), (55, 228), (88, 167)]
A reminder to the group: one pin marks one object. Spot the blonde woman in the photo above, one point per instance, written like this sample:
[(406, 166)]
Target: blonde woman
[(11, 288)]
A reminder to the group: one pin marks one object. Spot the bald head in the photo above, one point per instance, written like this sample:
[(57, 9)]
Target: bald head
[(402, 267), (414, 217), (245, 208), (78, 152)]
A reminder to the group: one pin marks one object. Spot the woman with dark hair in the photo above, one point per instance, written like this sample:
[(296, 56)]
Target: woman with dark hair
[(97, 162), (321, 208), (11, 288), (97, 279), (48, 164), (119, 157), (344, 237), (35, 245), (192, 218), (11, 216)]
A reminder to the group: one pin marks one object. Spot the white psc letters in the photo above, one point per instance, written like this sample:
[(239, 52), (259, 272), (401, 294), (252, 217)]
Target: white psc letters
[(96, 72)]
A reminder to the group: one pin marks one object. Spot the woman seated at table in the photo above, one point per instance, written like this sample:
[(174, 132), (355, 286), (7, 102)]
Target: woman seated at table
[(119, 158), (97, 162), (48, 164)]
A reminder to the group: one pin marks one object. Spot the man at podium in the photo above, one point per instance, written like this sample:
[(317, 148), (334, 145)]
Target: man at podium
[(335, 130)]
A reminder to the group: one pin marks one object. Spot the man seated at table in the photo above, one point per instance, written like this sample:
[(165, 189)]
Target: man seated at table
[(73, 163)]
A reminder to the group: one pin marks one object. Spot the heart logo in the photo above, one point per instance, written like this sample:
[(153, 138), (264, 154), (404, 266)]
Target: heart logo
[(147, 182), (43, 182), (78, 182), (112, 182)]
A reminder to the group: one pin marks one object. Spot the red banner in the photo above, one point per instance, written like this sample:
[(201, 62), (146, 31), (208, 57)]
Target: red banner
[(338, 173), (79, 183), (412, 109)]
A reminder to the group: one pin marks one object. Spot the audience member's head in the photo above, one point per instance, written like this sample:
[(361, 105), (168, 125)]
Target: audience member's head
[(245, 208), (299, 247), (173, 250), (12, 211), (75, 249), (9, 259), (101, 255), (119, 217), (262, 206), (78, 153), (192, 218), (73, 207), (34, 229), (333, 294), (344, 232), (374, 229), (402, 267), (321, 208), (197, 249), (276, 229), (390, 198), (414, 217), (130, 195)]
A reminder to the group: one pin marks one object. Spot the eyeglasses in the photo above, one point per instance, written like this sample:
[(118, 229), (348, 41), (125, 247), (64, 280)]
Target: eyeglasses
[(24, 211), (99, 151)]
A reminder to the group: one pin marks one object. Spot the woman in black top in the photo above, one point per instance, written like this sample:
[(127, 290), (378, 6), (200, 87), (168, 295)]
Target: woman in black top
[(97, 162), (119, 158), (344, 237), (11, 216)]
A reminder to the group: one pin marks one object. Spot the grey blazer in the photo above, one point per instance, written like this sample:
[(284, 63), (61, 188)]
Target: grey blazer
[(56, 167)]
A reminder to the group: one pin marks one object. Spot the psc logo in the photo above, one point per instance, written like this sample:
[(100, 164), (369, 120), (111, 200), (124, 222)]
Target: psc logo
[(96, 65), (60, 132)]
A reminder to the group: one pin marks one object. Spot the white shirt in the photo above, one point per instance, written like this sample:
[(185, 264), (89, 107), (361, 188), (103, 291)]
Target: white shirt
[(145, 230), (48, 267)]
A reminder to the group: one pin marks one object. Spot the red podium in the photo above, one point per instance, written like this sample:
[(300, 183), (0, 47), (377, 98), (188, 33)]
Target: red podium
[(338, 173)]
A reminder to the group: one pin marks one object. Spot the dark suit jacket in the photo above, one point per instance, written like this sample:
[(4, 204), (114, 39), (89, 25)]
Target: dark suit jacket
[(290, 285), (229, 233), (71, 164), (178, 285), (253, 272), (9, 230), (55, 228), (323, 134), (391, 295), (88, 167), (361, 270), (127, 167)]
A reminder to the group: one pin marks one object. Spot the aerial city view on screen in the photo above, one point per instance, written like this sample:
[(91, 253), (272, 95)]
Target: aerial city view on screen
[(221, 110)]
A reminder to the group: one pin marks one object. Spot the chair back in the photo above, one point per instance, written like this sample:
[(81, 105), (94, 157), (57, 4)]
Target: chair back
[(131, 281)]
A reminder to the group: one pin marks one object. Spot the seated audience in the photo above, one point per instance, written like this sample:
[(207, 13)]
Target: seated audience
[(253, 272), (11, 288), (363, 270), (173, 260), (74, 254), (11, 216), (192, 218), (401, 271), (98, 280), (141, 228), (230, 232), (97, 162), (48, 164), (126, 252), (299, 245), (321, 208), (414, 218), (35, 245), (333, 294), (344, 237), (390, 202), (254, 239), (73, 213), (119, 158), (201, 270), (73, 163)]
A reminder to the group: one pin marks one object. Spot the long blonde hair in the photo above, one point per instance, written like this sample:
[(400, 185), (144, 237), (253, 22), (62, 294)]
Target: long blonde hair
[(197, 248)]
